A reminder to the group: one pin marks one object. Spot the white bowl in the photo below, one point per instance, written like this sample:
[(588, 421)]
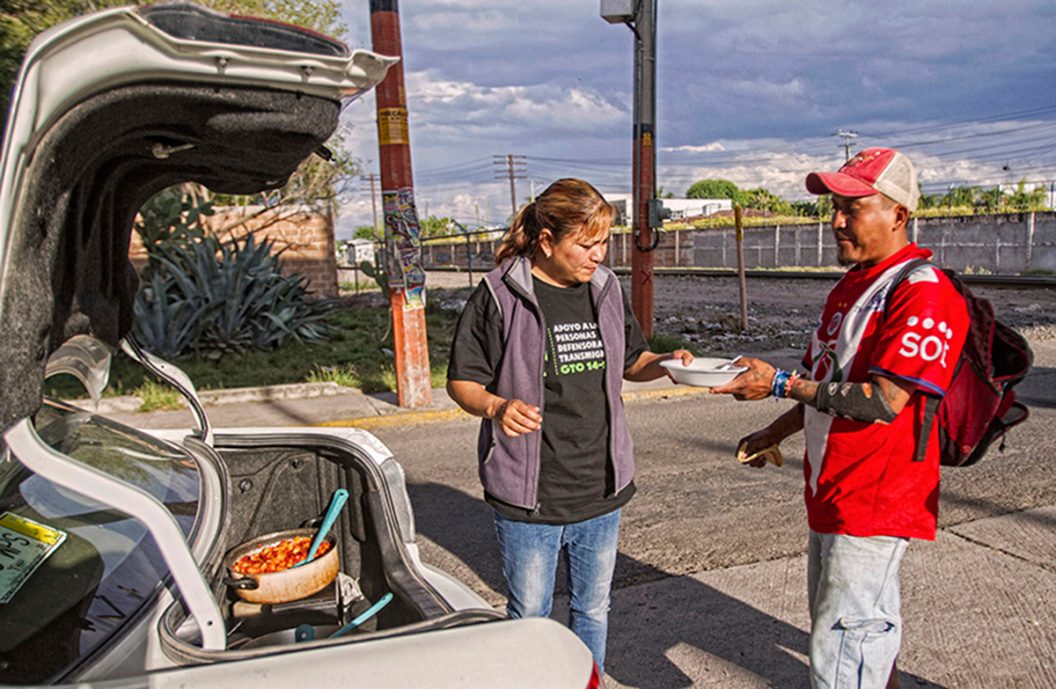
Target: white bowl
[(703, 372)]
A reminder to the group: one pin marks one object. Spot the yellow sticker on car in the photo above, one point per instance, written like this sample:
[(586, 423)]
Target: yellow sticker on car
[(24, 545)]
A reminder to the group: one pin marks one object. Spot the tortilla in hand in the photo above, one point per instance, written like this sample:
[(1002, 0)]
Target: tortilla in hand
[(771, 454)]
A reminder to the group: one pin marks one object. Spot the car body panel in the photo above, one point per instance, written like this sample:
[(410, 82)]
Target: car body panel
[(109, 109)]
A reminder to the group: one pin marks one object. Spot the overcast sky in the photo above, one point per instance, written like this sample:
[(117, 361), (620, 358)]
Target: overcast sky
[(752, 91)]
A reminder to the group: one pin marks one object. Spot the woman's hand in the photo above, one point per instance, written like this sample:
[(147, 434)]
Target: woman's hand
[(514, 416), (517, 417), (648, 367), (683, 355)]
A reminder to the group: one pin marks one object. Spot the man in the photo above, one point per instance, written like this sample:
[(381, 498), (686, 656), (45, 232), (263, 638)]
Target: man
[(861, 406)]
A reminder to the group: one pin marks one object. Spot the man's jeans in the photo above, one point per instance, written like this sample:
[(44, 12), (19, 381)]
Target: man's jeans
[(856, 625), (529, 563)]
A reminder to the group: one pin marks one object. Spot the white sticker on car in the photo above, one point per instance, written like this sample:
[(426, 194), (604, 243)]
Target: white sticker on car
[(24, 545)]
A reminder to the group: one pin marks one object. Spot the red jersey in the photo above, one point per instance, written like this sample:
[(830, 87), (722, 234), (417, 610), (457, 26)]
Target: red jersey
[(860, 477)]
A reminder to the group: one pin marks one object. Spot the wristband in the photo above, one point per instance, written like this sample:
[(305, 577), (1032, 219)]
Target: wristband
[(781, 385), (778, 382)]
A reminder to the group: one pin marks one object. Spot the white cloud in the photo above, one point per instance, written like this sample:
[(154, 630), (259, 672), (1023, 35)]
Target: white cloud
[(441, 102), (703, 148), (751, 91)]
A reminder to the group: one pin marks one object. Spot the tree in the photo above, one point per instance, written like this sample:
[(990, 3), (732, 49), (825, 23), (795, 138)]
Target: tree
[(714, 189), (365, 232), (988, 200), (22, 20), (805, 209), (436, 227), (931, 200), (1023, 200), (764, 200), (316, 181)]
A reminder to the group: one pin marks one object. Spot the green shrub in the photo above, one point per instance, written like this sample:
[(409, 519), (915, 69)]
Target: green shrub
[(216, 298)]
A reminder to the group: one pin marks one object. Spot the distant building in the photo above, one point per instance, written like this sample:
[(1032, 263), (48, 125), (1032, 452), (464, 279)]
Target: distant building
[(680, 208), (352, 252)]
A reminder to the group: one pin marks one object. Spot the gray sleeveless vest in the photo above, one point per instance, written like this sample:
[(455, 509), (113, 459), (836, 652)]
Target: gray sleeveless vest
[(509, 467)]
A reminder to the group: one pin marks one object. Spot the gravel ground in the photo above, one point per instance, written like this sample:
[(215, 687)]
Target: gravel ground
[(781, 313)]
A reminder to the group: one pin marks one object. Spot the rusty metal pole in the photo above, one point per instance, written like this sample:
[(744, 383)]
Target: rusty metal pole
[(741, 280), (644, 166), (405, 272)]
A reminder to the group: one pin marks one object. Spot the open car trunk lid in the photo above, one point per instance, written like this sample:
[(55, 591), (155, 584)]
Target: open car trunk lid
[(112, 108)]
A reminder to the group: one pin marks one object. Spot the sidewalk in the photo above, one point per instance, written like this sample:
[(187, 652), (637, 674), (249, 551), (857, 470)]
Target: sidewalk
[(327, 404), (330, 404)]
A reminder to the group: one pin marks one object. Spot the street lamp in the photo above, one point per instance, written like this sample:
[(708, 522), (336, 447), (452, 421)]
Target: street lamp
[(640, 17)]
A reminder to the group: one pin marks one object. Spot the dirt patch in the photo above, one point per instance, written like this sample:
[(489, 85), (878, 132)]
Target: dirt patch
[(782, 313)]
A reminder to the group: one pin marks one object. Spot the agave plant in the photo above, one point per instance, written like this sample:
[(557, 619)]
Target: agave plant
[(215, 298)]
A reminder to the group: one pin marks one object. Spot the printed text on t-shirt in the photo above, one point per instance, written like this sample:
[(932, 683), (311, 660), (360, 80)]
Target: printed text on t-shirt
[(576, 347)]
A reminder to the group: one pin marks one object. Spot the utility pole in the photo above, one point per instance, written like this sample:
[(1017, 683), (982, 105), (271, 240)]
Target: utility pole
[(640, 17), (510, 167), (406, 275), (373, 177), (379, 234), (847, 135)]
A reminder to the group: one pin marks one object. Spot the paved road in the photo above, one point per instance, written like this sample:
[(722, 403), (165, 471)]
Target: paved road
[(711, 576)]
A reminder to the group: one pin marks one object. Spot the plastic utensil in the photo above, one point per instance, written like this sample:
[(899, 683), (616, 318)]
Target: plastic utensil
[(336, 503), (363, 616)]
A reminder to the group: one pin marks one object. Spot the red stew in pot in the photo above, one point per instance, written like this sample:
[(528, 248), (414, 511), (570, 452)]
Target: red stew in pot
[(275, 558)]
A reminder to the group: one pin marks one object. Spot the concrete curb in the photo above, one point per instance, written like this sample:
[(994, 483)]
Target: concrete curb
[(268, 393), (310, 404), (400, 418)]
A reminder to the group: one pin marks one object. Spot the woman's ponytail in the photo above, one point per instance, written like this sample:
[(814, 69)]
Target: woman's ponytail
[(567, 207), (523, 234)]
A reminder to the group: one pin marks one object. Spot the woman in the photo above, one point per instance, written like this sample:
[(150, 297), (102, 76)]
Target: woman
[(540, 352)]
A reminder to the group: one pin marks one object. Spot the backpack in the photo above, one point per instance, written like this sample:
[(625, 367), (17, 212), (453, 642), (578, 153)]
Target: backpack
[(980, 403)]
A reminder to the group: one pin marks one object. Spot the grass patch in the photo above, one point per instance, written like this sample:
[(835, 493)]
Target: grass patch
[(662, 344), (358, 355), (365, 285), (157, 396)]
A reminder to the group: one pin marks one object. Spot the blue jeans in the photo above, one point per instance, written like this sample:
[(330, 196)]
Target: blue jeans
[(856, 623), (529, 563)]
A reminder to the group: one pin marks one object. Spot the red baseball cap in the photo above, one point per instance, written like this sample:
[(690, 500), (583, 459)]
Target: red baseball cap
[(874, 170)]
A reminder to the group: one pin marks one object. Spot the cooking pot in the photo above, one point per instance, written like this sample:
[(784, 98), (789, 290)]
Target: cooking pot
[(285, 585)]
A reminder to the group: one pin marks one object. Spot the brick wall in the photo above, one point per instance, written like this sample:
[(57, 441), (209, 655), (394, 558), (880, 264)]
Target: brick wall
[(305, 237)]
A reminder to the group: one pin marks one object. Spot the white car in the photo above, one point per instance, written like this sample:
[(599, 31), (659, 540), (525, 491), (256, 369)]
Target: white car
[(115, 544)]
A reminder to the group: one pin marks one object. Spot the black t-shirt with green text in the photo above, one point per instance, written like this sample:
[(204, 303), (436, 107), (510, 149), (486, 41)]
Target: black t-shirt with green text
[(575, 473)]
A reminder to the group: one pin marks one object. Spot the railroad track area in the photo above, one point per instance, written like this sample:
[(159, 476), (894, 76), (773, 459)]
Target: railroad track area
[(783, 310), (703, 308)]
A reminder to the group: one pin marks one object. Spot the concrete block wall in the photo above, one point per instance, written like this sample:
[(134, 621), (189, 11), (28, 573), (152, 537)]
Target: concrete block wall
[(1000, 244), (305, 237)]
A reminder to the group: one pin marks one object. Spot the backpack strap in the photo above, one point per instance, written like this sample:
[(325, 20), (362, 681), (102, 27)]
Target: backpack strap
[(931, 403), (901, 276)]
